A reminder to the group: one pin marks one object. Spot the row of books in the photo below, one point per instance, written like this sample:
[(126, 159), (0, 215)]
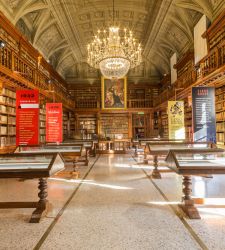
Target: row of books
[(7, 100), (220, 137), (7, 109), (9, 93), (220, 116), (220, 126), (7, 141)]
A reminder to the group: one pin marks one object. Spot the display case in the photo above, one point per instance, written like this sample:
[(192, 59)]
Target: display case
[(31, 166), (195, 162), (70, 153), (162, 148)]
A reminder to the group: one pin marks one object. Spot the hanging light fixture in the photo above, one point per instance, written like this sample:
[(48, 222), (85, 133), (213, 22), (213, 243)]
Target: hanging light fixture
[(114, 52)]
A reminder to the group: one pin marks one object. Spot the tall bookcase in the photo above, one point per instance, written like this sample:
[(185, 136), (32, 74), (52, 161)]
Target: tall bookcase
[(139, 125), (114, 126), (188, 121), (220, 115), (71, 124), (87, 126), (7, 120), (42, 123)]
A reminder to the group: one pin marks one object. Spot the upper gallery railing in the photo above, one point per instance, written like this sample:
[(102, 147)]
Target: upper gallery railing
[(23, 60)]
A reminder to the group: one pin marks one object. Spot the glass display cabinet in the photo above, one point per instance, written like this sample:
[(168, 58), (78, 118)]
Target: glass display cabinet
[(114, 145), (70, 153), (144, 141), (89, 145), (31, 166), (189, 162), (162, 148)]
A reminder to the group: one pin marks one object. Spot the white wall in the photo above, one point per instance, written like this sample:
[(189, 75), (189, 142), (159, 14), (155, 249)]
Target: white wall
[(200, 44), (173, 72)]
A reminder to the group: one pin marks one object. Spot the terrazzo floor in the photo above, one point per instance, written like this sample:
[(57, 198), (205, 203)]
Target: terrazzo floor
[(114, 205)]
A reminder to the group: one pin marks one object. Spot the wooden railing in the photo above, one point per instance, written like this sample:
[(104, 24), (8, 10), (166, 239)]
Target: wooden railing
[(132, 103), (25, 61), (213, 61), (140, 103), (82, 103)]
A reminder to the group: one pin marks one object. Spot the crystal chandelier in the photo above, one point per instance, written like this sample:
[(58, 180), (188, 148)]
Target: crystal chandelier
[(114, 52)]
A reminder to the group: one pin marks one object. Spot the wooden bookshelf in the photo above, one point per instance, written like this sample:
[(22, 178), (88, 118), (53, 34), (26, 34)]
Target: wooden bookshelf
[(220, 115), (87, 126), (7, 120), (42, 123), (188, 121), (139, 125), (114, 126), (72, 126)]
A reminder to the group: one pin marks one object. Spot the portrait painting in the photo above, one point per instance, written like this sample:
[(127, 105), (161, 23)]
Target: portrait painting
[(114, 93)]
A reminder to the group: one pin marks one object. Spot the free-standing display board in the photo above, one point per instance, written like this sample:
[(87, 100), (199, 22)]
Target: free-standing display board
[(176, 120), (204, 115), (27, 112), (54, 122)]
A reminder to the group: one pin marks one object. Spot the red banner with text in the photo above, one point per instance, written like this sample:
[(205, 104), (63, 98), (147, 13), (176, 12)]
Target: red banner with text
[(27, 113), (54, 122)]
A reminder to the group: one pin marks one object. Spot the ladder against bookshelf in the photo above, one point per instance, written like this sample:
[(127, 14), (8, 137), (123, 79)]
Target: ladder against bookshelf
[(87, 125), (7, 120), (114, 126)]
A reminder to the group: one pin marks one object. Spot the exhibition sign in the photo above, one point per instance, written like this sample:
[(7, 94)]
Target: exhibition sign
[(176, 120), (54, 122), (204, 114), (27, 113)]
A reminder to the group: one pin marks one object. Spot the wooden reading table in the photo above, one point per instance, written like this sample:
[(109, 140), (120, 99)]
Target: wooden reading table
[(157, 149), (29, 166), (189, 162)]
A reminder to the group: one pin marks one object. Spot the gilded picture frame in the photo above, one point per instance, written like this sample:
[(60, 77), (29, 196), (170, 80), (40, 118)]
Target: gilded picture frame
[(114, 93)]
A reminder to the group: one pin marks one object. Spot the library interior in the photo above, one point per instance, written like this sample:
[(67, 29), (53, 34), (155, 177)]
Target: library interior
[(112, 124)]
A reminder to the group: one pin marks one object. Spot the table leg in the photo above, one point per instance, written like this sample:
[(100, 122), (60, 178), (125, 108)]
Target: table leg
[(42, 203), (187, 202), (155, 173), (145, 156), (86, 157), (94, 150)]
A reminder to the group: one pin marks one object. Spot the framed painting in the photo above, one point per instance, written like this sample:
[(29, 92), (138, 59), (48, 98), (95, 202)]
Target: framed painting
[(114, 93)]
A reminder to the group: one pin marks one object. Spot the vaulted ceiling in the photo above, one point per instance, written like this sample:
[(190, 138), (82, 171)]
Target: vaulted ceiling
[(61, 30)]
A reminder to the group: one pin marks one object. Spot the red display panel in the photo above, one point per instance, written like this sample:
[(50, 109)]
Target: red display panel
[(27, 113), (54, 122)]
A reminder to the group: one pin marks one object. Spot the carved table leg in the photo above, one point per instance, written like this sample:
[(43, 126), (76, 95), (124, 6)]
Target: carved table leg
[(188, 203), (75, 171), (42, 203), (155, 173), (145, 156), (135, 150), (87, 157)]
